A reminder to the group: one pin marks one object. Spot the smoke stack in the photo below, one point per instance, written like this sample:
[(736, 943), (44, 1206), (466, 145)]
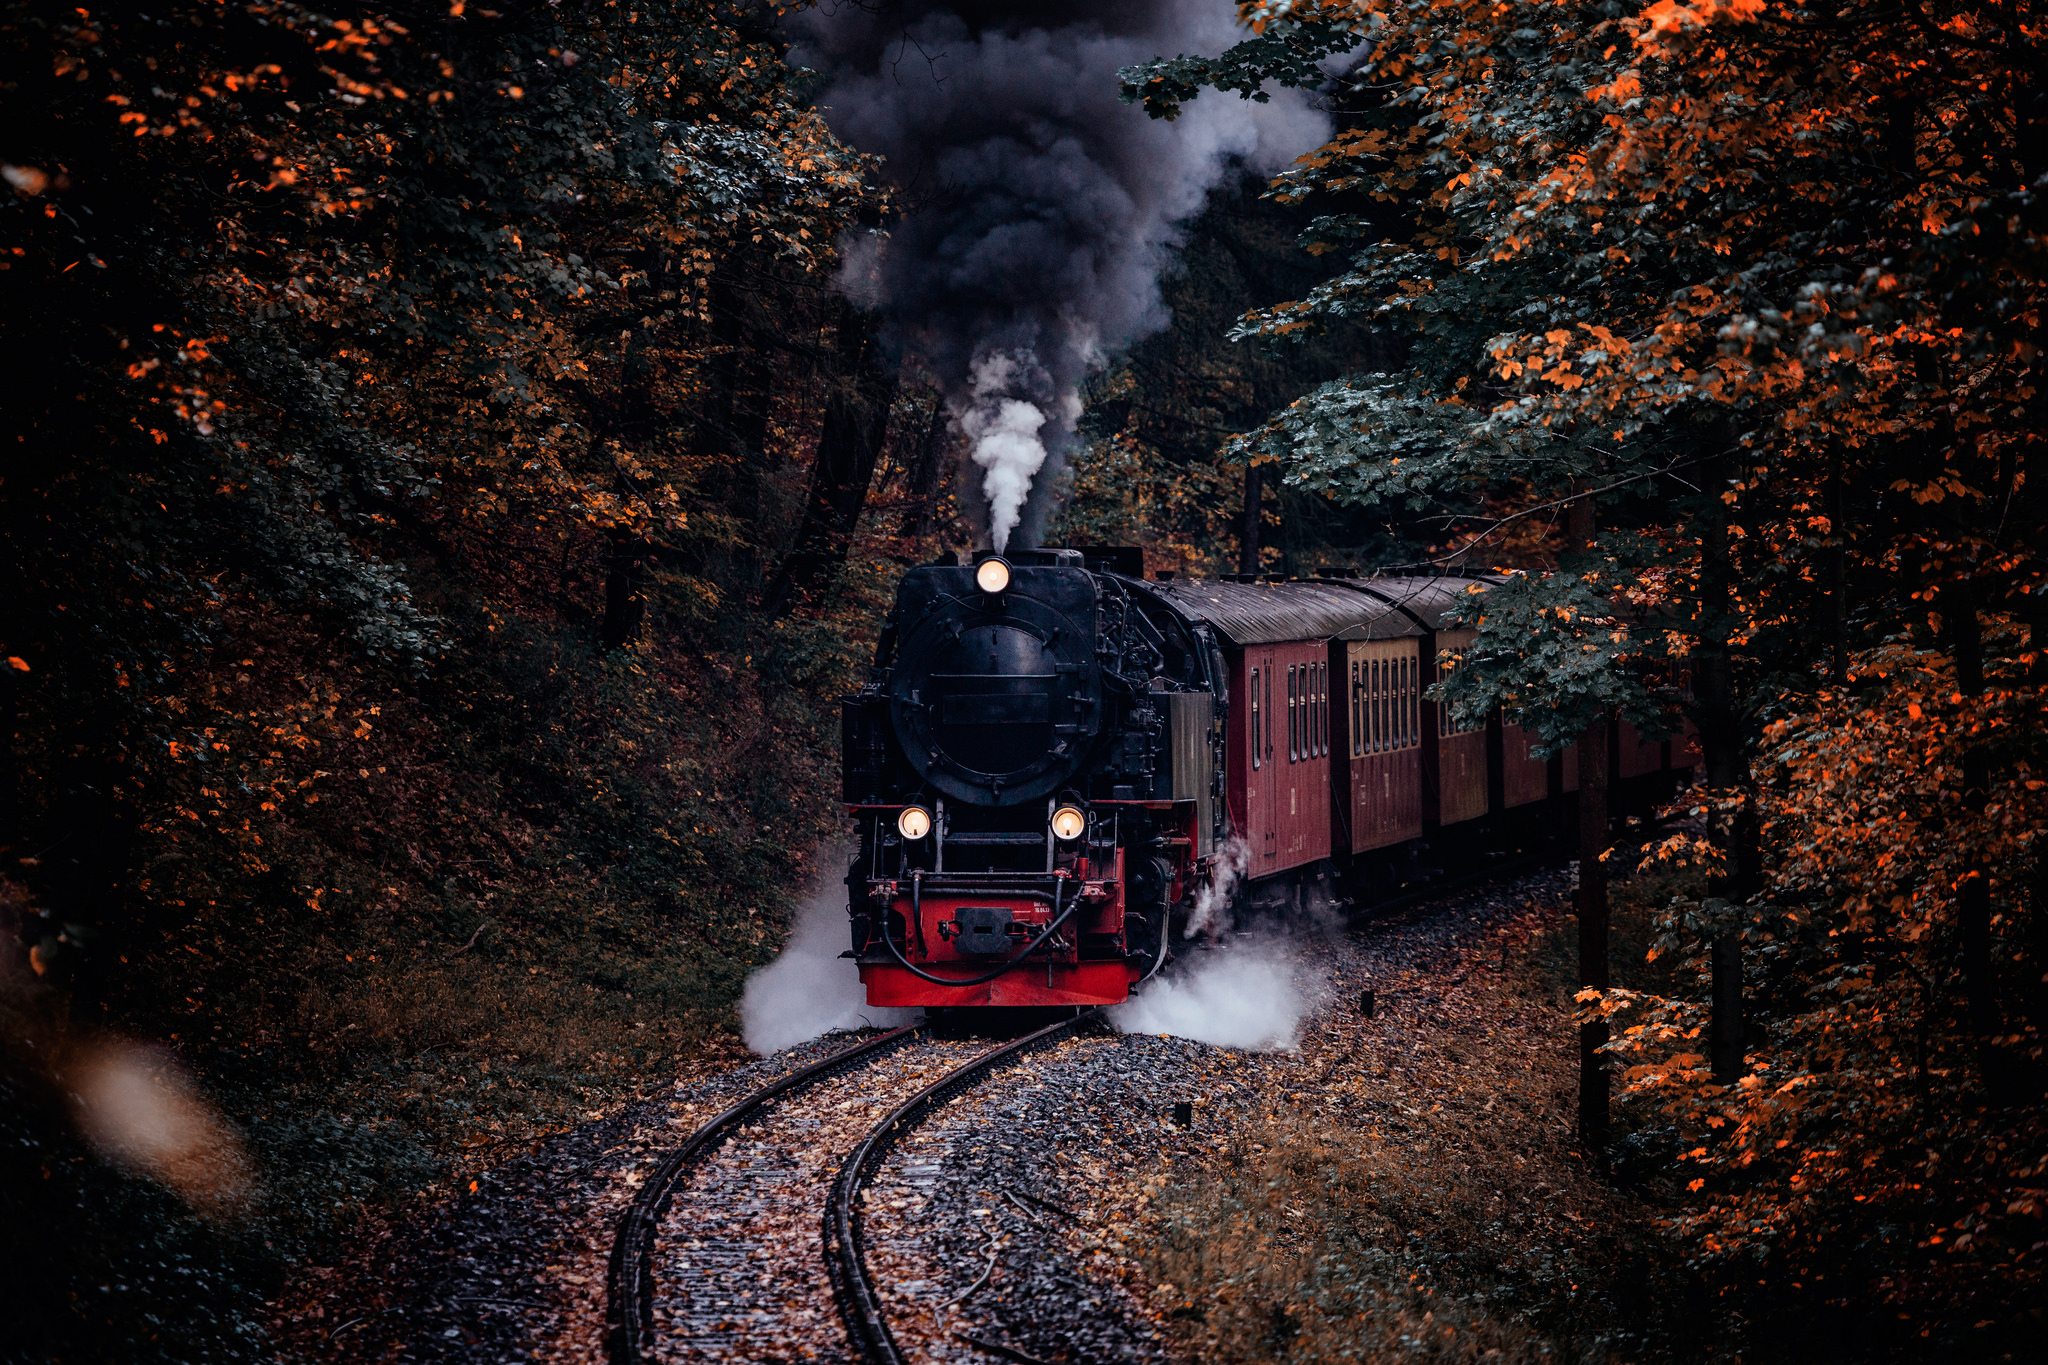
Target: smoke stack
[(1038, 208)]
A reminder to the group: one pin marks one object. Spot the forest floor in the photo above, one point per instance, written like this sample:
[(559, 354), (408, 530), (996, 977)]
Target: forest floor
[(1405, 1184), (1409, 1183)]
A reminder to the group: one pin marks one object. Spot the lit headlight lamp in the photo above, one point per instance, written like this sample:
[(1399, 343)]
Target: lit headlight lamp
[(1069, 823), (913, 822), (992, 575)]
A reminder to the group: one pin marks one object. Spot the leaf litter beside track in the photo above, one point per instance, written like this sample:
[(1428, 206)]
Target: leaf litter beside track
[(1413, 1172), (1405, 1186)]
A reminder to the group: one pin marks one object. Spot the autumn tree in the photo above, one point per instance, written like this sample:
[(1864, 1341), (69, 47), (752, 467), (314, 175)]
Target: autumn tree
[(1764, 285), (407, 406)]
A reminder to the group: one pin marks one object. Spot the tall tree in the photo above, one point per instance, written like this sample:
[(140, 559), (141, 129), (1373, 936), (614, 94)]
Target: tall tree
[(1770, 279)]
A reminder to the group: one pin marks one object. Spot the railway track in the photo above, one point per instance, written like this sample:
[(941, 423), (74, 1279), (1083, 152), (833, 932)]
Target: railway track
[(678, 1288), (630, 1278), (644, 1325), (844, 1247)]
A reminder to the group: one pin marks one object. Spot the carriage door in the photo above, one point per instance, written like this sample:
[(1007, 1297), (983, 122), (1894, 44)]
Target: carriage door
[(1264, 778)]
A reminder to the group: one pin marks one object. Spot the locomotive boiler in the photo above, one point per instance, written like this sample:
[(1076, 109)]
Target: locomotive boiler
[(1033, 770)]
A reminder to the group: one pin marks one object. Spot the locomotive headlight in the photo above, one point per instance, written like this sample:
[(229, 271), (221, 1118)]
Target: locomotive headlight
[(914, 822), (1069, 823), (992, 575)]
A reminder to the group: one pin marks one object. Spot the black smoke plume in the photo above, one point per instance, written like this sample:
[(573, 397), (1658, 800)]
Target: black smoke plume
[(1039, 207)]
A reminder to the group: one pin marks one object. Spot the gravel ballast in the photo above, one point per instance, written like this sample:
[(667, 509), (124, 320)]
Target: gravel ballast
[(1020, 1220)]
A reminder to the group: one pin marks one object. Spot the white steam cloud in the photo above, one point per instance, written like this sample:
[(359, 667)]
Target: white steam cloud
[(1212, 899), (1004, 441), (1249, 994), (810, 989)]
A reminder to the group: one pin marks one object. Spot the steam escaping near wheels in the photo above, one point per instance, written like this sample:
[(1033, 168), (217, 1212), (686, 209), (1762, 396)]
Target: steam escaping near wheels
[(1251, 994), (810, 990), (1210, 914)]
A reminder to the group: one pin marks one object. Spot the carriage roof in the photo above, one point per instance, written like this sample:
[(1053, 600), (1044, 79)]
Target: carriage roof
[(1263, 613), (1430, 601)]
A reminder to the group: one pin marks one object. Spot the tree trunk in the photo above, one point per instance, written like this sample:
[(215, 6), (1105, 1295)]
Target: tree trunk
[(1593, 925), (1731, 804), (1251, 519), (625, 580), (924, 474), (1973, 910), (1725, 1038), (1836, 558), (849, 446), (2035, 612), (1594, 1085)]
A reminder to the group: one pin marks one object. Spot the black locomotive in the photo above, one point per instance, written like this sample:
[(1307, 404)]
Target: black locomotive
[(1033, 768)]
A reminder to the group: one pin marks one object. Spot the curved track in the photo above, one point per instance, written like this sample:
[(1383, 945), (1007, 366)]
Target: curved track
[(629, 1315), (635, 1332), (844, 1249)]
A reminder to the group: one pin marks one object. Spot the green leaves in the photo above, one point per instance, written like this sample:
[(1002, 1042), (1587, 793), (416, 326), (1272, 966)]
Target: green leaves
[(1555, 655), (1286, 54)]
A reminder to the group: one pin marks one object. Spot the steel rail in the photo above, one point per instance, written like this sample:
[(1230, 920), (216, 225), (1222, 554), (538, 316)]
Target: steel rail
[(629, 1280), (845, 1248)]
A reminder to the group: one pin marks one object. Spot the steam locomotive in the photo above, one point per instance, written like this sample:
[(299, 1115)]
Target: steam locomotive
[(1056, 761)]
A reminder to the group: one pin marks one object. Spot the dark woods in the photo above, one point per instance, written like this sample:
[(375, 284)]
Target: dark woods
[(444, 489), (361, 369), (434, 443)]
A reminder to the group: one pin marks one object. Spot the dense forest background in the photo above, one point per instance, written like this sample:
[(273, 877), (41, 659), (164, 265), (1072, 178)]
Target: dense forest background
[(445, 490)]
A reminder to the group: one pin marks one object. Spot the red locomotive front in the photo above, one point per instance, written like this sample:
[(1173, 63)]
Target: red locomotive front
[(1032, 772)]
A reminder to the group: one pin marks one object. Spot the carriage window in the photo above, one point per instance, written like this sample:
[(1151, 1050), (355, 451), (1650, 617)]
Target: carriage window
[(1405, 701), (1302, 685), (1416, 688), (1415, 696), (1395, 736), (1315, 716), (1358, 709), (1387, 704), (1365, 735), (1364, 707), (1385, 700), (1322, 708), (1254, 727), (1355, 737), (1411, 701), (1308, 709), (1304, 746), (1315, 673), (1389, 711), (1308, 712), (1295, 715), (1323, 705), (1372, 704), (1269, 709), (1290, 713)]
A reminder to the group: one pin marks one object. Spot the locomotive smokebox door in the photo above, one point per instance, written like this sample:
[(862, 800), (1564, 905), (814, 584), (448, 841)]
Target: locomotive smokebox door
[(984, 930)]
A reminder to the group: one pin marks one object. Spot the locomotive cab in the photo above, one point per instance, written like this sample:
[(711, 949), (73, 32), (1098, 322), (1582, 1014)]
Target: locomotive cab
[(1010, 767)]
